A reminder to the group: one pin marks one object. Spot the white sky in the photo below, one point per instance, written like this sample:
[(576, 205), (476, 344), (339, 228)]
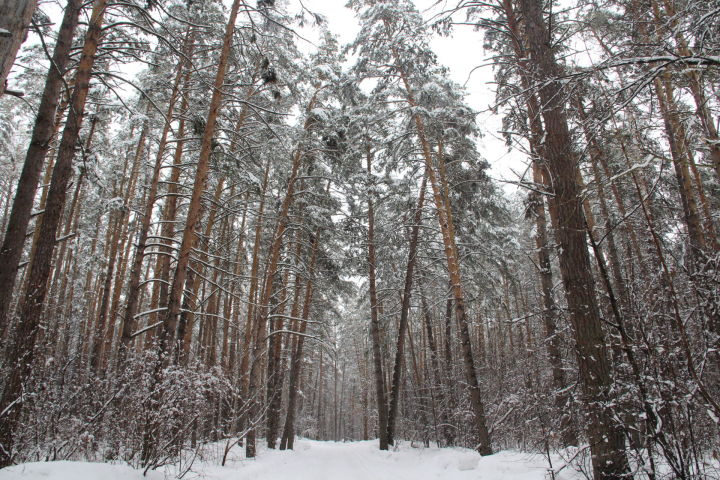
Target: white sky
[(461, 53)]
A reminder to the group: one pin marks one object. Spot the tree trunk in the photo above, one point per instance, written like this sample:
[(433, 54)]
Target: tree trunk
[(192, 284), (254, 281), (194, 209), (272, 268), (446, 428), (542, 244), (170, 316), (128, 323), (374, 320), (481, 432), (682, 172), (119, 222), (45, 124), (276, 367), (15, 17), (20, 352), (160, 289), (404, 314), (695, 84), (606, 438), (288, 436)]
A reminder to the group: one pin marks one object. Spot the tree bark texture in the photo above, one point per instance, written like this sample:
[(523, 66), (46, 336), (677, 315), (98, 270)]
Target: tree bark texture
[(43, 130), (607, 442), (21, 349), (15, 17)]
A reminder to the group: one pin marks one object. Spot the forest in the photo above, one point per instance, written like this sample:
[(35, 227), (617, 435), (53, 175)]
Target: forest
[(214, 233)]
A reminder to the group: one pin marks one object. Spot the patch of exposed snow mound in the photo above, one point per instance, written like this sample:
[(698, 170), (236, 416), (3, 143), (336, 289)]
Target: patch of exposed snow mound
[(467, 463), (75, 471)]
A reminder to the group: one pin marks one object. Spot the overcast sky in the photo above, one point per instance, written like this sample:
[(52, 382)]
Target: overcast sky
[(462, 53)]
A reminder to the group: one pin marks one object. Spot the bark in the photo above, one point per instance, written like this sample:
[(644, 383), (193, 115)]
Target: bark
[(233, 303), (542, 244), (71, 224), (15, 17), (170, 316), (599, 158), (694, 82), (208, 348), (21, 350), (481, 432), (276, 367), (422, 388), (288, 436), (549, 316), (254, 281), (119, 223), (447, 429), (167, 229), (271, 271), (56, 314), (682, 172), (43, 130), (192, 284), (606, 438), (128, 322), (194, 209), (375, 321), (404, 314)]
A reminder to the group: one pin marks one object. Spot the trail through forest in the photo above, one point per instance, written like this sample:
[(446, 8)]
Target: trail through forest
[(319, 460), (250, 220)]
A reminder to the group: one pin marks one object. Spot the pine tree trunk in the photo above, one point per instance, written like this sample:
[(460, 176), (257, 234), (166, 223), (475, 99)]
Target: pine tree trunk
[(195, 207), (374, 320), (481, 432), (20, 353), (542, 244), (15, 16), (270, 273), (276, 369), (170, 316), (234, 307), (45, 124), (192, 284), (128, 322), (119, 223), (549, 316), (695, 83), (404, 314), (682, 173), (276, 372), (71, 224), (606, 438), (288, 436), (252, 294), (447, 429), (160, 289)]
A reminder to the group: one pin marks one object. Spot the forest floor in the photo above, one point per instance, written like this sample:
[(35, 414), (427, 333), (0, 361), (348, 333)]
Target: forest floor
[(314, 460)]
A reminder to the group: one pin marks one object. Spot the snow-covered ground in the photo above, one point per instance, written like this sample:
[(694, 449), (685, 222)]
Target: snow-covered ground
[(313, 460)]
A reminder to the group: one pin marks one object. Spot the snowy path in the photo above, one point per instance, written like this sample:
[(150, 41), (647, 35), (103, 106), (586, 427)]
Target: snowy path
[(313, 460)]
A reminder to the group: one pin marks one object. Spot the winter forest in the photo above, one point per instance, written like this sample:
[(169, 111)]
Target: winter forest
[(221, 239)]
